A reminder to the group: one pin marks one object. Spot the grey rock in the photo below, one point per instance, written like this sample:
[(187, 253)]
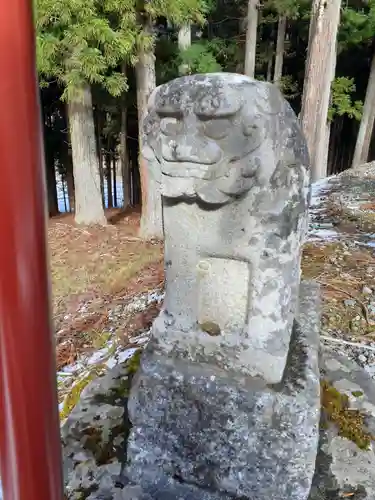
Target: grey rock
[(225, 432), (362, 358), (366, 290), (94, 435), (343, 470)]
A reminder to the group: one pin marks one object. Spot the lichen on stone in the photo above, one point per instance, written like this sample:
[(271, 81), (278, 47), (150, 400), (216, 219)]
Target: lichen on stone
[(349, 422), (72, 398), (357, 394), (134, 362), (211, 328)]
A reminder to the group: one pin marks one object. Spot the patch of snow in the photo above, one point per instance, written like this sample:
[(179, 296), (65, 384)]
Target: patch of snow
[(323, 234), (120, 357), (318, 189), (370, 243), (99, 355)]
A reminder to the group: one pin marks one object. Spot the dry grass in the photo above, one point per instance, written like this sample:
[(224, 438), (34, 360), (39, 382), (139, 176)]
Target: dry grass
[(343, 272), (95, 260), (92, 270)]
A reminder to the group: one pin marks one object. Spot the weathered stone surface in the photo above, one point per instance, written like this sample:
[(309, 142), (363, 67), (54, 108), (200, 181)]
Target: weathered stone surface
[(343, 470), (227, 432), (95, 433), (234, 176)]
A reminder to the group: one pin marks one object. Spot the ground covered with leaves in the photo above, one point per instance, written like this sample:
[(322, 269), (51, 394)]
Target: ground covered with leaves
[(340, 255), (100, 280)]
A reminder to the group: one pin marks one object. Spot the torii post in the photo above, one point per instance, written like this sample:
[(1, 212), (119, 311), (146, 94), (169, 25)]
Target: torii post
[(30, 453)]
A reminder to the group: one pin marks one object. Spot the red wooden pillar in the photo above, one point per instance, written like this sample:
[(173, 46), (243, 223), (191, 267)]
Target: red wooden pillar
[(30, 459)]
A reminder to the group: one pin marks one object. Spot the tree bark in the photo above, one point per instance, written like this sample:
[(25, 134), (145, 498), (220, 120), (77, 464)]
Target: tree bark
[(88, 204), (125, 167), (280, 47), (151, 219), (53, 208), (362, 145), (108, 172), (184, 42), (49, 166), (99, 126), (70, 183), (114, 180), (269, 69), (251, 37), (319, 74), (324, 132)]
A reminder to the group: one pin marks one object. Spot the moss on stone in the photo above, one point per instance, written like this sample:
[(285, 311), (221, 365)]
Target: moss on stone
[(104, 450), (357, 394), (211, 328), (349, 422), (73, 396), (134, 362), (101, 339)]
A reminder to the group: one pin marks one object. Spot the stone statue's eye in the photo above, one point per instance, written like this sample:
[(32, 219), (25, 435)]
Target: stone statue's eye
[(217, 129), (170, 126)]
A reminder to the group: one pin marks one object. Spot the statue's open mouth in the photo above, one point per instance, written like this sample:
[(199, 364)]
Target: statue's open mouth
[(194, 170)]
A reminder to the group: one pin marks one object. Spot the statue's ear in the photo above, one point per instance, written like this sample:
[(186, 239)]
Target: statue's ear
[(267, 98)]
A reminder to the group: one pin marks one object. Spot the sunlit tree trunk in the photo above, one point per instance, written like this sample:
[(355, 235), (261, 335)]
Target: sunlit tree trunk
[(280, 47), (151, 219), (88, 203), (124, 156), (362, 145), (251, 37), (184, 42), (319, 74)]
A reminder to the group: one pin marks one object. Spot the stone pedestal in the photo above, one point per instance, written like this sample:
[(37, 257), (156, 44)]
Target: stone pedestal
[(224, 432)]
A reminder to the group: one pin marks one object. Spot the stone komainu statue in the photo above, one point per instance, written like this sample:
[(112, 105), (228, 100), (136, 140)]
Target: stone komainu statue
[(233, 168), (226, 401)]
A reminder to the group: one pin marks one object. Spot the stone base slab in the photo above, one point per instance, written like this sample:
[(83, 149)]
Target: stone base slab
[(225, 433)]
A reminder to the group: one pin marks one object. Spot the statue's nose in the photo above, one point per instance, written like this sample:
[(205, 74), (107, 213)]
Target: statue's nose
[(191, 149)]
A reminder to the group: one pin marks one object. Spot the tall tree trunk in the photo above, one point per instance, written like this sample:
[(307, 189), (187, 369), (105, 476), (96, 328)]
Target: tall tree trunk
[(151, 219), (108, 174), (114, 180), (184, 42), (280, 47), (362, 145), (324, 132), (269, 67), (319, 74), (68, 163), (99, 126), (88, 204), (251, 37), (50, 172), (70, 182), (53, 207), (64, 193), (125, 166)]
